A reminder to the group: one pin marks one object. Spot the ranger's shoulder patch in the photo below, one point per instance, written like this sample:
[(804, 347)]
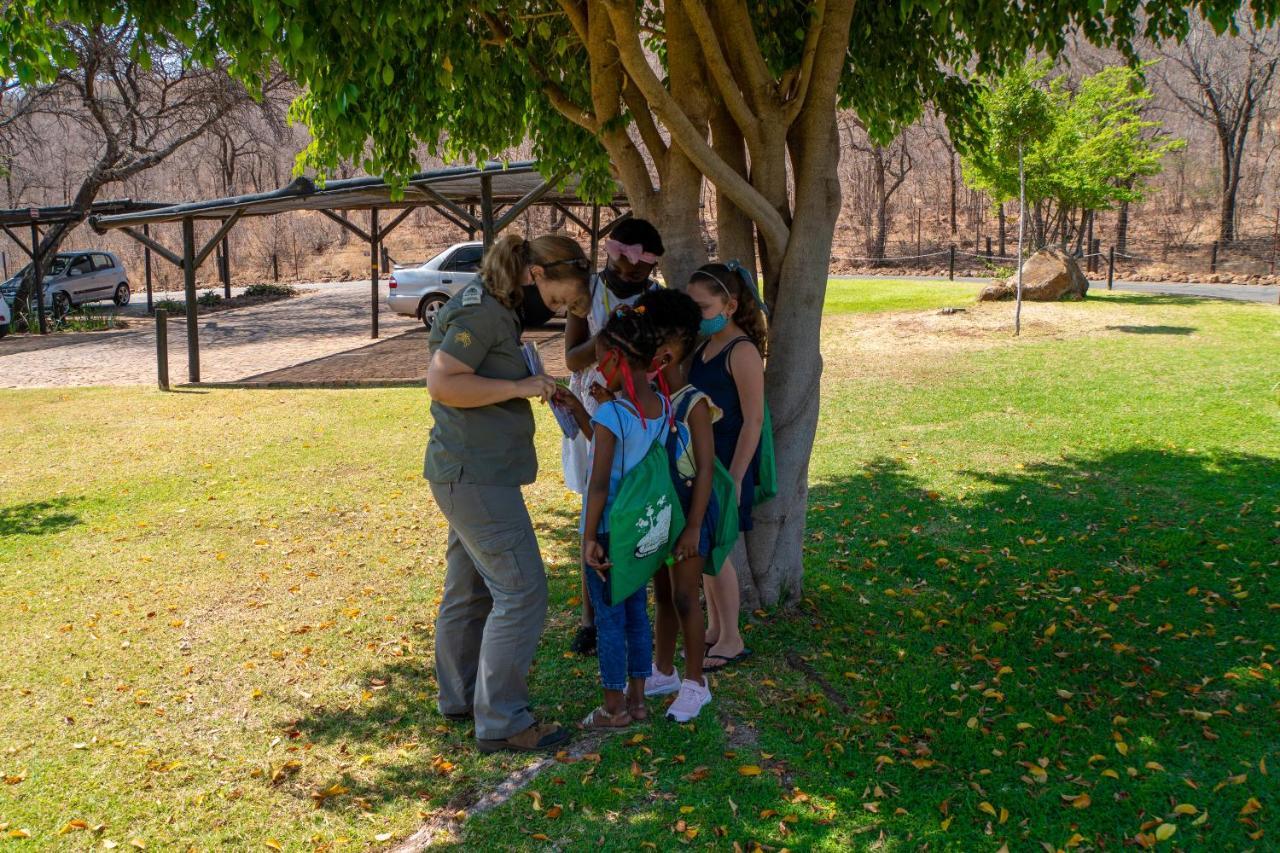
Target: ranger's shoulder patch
[(472, 295)]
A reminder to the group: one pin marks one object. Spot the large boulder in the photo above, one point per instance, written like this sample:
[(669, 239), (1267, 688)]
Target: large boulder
[(1049, 275)]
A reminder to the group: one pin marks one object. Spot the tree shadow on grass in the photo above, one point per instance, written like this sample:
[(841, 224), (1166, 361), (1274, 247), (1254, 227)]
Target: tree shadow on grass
[(1047, 613), (945, 643), (37, 518), (1153, 330)]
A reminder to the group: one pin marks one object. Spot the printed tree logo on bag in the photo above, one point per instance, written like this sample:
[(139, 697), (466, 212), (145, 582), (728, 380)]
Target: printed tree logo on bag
[(658, 524)]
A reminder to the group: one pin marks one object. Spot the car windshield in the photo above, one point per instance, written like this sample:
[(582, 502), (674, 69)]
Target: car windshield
[(58, 267)]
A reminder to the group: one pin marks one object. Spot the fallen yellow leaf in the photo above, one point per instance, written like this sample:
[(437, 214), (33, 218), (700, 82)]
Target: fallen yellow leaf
[(749, 770), (1078, 801), (272, 844), (987, 807), (1251, 805), (1165, 831), (1184, 808)]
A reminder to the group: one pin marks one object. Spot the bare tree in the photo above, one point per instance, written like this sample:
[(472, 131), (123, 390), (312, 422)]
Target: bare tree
[(1225, 82), (135, 115), (888, 166)]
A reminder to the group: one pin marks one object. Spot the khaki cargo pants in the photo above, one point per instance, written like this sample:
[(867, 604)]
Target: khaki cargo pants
[(493, 608)]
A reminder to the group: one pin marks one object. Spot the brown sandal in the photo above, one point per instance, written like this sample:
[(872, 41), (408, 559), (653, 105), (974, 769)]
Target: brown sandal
[(602, 719), (639, 713)]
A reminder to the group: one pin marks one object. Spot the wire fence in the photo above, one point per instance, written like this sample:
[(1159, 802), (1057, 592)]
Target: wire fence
[(1252, 260)]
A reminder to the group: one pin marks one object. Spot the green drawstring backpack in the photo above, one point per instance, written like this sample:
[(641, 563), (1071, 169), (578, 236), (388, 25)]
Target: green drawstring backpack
[(767, 472), (644, 521)]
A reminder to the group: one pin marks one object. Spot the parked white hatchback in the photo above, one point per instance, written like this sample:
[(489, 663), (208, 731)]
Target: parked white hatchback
[(422, 291), (75, 278)]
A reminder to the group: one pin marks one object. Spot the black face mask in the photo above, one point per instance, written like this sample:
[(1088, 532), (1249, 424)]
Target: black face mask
[(533, 311), (619, 287)]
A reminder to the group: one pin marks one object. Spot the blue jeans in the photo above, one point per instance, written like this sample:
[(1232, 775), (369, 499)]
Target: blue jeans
[(624, 640)]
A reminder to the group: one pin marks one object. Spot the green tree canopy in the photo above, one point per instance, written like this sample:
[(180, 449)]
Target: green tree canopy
[(1084, 149)]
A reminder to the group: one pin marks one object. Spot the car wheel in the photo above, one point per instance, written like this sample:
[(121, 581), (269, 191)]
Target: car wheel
[(61, 304), (121, 297), (430, 308)]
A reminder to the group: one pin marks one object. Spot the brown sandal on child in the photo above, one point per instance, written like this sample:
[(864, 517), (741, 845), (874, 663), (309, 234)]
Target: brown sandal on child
[(639, 713), (602, 719)]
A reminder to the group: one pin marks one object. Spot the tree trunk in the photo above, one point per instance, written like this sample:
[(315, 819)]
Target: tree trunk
[(1122, 228), (735, 232), (1230, 185), (793, 379), (882, 205), (953, 192), (1001, 232)]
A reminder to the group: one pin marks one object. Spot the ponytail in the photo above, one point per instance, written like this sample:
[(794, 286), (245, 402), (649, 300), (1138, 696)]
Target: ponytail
[(503, 268)]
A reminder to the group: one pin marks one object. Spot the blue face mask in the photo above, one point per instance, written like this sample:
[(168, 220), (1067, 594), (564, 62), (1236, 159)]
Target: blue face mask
[(715, 324)]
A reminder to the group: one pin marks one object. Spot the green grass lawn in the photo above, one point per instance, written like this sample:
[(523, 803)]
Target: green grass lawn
[(1041, 608)]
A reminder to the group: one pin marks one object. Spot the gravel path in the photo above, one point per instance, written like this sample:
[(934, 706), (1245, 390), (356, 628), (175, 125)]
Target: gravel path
[(234, 344)]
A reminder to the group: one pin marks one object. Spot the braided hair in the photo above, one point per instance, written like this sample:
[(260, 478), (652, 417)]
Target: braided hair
[(631, 332), (674, 315)]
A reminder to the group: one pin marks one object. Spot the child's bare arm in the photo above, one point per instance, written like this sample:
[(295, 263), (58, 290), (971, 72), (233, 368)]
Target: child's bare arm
[(704, 451), (597, 496), (748, 375)]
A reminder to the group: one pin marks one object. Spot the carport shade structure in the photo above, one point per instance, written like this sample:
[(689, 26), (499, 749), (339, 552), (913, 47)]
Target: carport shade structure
[(500, 193), (35, 218)]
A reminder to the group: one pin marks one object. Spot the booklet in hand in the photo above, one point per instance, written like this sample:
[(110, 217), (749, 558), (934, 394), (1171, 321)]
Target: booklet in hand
[(563, 416)]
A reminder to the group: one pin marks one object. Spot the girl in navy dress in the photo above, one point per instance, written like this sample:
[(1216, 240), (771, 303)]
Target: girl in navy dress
[(729, 368)]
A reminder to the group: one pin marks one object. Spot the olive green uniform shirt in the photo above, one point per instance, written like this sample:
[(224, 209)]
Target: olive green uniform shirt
[(489, 445)]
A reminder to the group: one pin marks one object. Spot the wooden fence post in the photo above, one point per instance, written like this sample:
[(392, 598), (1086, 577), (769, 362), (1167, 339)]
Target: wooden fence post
[(162, 348), (1111, 266), (951, 273)]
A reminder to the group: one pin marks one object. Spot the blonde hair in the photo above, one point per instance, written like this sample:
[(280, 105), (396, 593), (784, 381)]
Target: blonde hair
[(503, 266)]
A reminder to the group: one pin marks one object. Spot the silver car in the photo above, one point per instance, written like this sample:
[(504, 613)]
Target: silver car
[(421, 291), (76, 278)]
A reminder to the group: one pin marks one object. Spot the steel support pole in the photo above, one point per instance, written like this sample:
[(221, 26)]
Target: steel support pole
[(189, 291), (374, 245)]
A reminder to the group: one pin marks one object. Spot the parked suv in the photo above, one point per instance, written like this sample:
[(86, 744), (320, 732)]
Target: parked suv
[(76, 278), (422, 291)]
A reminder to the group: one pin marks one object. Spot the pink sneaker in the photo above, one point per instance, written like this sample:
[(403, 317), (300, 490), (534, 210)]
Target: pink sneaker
[(692, 699), (658, 684)]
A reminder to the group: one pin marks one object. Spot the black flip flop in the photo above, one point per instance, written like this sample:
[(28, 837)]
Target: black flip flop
[(728, 662)]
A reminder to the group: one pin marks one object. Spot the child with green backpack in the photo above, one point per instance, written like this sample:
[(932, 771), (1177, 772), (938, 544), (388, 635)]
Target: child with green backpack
[(630, 514), (704, 487)]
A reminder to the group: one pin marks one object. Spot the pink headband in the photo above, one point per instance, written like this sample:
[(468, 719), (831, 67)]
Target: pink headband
[(633, 252)]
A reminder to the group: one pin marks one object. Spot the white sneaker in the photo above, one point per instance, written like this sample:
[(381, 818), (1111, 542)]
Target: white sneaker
[(692, 699), (658, 684)]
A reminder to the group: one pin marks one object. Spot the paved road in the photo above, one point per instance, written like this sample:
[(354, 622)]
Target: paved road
[(1268, 293), (234, 344)]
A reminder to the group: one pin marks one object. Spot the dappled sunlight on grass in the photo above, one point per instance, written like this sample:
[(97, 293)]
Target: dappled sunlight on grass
[(1040, 604)]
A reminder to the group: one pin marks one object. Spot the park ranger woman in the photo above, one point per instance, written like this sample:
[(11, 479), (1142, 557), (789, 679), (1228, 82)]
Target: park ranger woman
[(478, 456)]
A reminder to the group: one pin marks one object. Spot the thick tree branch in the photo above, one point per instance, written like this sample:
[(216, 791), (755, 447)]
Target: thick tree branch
[(795, 100), (685, 134), (734, 17), (730, 92)]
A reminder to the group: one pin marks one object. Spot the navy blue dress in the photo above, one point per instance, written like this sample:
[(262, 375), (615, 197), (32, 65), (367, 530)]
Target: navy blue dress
[(712, 377)]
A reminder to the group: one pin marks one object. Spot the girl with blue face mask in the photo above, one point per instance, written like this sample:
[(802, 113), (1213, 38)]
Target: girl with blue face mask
[(729, 368)]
